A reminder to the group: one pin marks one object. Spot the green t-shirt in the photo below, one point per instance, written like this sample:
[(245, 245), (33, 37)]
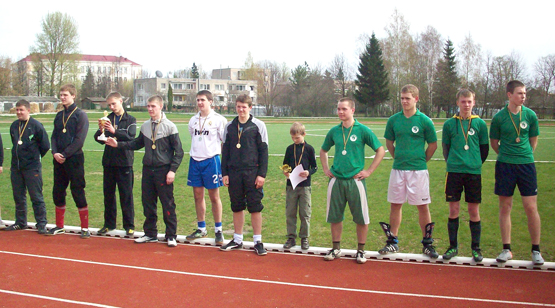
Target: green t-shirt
[(459, 159), (348, 165), (502, 128), (410, 136)]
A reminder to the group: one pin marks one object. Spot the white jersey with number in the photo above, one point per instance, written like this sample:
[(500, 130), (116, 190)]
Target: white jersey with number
[(207, 135)]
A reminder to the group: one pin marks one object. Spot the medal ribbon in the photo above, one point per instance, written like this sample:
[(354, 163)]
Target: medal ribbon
[(345, 140), (239, 132), (295, 155), (154, 131), (21, 132), (201, 127), (64, 115), (520, 120), (468, 128)]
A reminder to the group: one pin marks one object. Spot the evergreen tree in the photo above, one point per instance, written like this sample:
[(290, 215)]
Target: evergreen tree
[(170, 97), (372, 78), (447, 83), (87, 89), (194, 71)]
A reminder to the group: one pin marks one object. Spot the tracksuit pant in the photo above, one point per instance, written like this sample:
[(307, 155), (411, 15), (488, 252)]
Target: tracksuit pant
[(31, 181), (123, 178), (154, 187)]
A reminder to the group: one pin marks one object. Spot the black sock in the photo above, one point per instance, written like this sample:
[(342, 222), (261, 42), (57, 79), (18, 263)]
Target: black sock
[(536, 247), (475, 232), (453, 229), (336, 245), (507, 246), (361, 246)]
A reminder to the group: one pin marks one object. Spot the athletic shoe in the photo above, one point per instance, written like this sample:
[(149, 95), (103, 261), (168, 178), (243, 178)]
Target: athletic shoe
[(537, 257), (146, 239), (477, 255), (389, 248), (450, 253), (290, 243), (104, 230), (41, 230), (172, 242), (129, 232), (259, 249), (504, 256), (2, 225), (85, 233), (304, 244), (361, 258), (14, 227), (430, 251), (56, 231), (232, 245), (333, 254), (196, 235), (219, 238)]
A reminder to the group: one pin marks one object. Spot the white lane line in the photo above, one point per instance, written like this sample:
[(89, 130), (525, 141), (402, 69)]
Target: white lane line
[(56, 299), (284, 283)]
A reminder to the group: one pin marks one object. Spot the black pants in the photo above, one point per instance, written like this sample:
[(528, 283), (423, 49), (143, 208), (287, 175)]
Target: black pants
[(23, 181), (72, 170), (123, 178), (154, 187)]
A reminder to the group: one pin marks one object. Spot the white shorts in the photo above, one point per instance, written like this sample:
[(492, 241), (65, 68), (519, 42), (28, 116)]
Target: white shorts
[(409, 185)]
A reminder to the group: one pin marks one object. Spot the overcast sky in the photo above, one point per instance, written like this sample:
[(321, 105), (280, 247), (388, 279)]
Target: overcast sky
[(171, 35)]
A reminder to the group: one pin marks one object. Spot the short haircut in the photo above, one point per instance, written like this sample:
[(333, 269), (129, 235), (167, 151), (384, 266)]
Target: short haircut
[(245, 99), (513, 84), (156, 97), (115, 95), (206, 93), (70, 88), (465, 93), (23, 103), (412, 89), (297, 129), (349, 100)]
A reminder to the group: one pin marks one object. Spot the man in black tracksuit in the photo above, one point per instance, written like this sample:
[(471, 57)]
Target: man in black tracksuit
[(2, 226), (163, 155), (30, 143), (118, 165)]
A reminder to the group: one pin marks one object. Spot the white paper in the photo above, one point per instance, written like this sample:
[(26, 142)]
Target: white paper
[(294, 176)]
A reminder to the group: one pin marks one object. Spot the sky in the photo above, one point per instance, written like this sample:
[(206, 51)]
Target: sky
[(171, 35)]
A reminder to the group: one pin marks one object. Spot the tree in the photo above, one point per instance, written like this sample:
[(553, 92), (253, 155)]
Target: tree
[(341, 73), (6, 77), (58, 44), (429, 50), (170, 97), (470, 55), (372, 78), (448, 81), (194, 71), (88, 87), (545, 75)]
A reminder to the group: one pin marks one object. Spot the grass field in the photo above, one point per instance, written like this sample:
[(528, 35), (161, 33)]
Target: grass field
[(274, 229)]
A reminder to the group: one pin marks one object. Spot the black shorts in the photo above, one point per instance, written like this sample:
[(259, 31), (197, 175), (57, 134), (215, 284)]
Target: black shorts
[(243, 193), (470, 183), (507, 176)]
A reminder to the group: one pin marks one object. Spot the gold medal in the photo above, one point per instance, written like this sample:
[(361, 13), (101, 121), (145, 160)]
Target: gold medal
[(20, 142), (64, 130), (238, 145), (154, 147), (517, 140)]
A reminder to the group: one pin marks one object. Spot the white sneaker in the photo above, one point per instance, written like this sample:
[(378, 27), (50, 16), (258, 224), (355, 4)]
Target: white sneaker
[(361, 258), (537, 257), (504, 256), (172, 242), (146, 239)]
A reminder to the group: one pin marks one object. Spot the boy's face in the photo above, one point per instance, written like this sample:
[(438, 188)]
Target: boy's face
[(22, 113), (298, 138), (66, 98), (408, 101), (345, 111), (154, 109), (203, 103), (465, 104), (518, 96), (116, 105), (242, 109)]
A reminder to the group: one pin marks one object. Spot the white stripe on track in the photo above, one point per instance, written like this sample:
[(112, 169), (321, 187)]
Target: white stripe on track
[(56, 299)]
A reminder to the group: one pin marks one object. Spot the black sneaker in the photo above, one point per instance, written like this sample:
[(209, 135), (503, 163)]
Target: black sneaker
[(219, 238), (232, 245), (389, 248), (477, 255), (450, 253), (290, 243), (42, 230), (304, 244), (259, 249), (56, 231), (14, 227), (129, 232), (196, 235), (104, 230), (85, 233), (430, 251), (361, 258)]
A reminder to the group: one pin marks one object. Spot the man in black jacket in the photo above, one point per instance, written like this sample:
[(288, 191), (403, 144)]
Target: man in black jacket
[(2, 226), (30, 143), (163, 155), (118, 165), (70, 130)]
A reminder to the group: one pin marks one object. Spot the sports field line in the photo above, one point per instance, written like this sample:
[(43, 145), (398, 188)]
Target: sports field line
[(455, 298), (56, 299)]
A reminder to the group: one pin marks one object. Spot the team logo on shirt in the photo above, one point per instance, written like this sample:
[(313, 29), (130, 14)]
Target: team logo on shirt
[(524, 125), (353, 138), (471, 132), (415, 129), (210, 123)]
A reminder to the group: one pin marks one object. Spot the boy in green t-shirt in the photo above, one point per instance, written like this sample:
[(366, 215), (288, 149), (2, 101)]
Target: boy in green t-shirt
[(347, 184), (513, 136), (465, 148), (406, 134)]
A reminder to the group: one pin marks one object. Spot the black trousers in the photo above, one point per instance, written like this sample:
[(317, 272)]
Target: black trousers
[(154, 187), (71, 171), (23, 181), (123, 178)]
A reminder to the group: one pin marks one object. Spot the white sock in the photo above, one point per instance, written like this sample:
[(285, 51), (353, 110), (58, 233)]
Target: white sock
[(238, 238), (218, 229), (257, 238)]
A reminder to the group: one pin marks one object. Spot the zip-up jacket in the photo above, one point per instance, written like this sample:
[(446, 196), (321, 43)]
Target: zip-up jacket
[(168, 149), (71, 142), (253, 153), (35, 144), (126, 130)]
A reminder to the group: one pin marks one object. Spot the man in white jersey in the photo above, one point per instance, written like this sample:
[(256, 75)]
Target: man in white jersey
[(205, 171)]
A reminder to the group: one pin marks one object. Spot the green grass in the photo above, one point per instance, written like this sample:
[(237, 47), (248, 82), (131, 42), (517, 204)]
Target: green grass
[(274, 228)]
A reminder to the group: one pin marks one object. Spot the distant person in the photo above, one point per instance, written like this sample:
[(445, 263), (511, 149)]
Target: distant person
[(465, 148), (513, 136), (205, 168), (406, 135), (244, 168), (118, 166), (70, 130), (347, 176), (298, 200), (163, 155)]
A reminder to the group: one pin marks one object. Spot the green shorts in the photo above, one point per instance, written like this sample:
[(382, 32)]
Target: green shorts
[(341, 192)]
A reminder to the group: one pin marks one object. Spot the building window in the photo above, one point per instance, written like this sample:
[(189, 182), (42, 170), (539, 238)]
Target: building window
[(140, 86), (124, 79), (219, 87), (82, 69), (177, 86), (104, 70), (204, 87), (240, 87), (99, 70), (140, 98), (190, 86), (163, 85), (125, 70), (83, 78)]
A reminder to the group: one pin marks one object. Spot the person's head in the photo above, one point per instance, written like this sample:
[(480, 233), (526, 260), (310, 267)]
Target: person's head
[(67, 94), (154, 106), (346, 109), (297, 132), (115, 102), (516, 92), (22, 109), (409, 97), (243, 106), (465, 101), (204, 100)]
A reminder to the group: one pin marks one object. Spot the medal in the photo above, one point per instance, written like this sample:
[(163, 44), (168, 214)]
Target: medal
[(238, 145), (466, 147), (199, 138), (517, 140), (20, 142), (346, 139), (465, 135), (22, 131), (64, 130), (515, 126), (64, 120), (154, 147), (344, 152)]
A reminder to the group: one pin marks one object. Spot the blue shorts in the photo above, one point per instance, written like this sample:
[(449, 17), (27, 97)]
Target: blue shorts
[(206, 173), (508, 176)]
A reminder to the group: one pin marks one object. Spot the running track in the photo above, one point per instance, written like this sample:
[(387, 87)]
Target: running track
[(66, 271)]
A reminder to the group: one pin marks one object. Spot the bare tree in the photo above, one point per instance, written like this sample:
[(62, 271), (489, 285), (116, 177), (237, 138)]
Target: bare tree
[(429, 46), (470, 60), (545, 76), (341, 72)]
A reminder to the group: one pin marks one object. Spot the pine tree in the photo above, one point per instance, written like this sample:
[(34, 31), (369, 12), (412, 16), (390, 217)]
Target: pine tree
[(372, 78), (194, 71), (447, 80), (170, 97), (87, 89)]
